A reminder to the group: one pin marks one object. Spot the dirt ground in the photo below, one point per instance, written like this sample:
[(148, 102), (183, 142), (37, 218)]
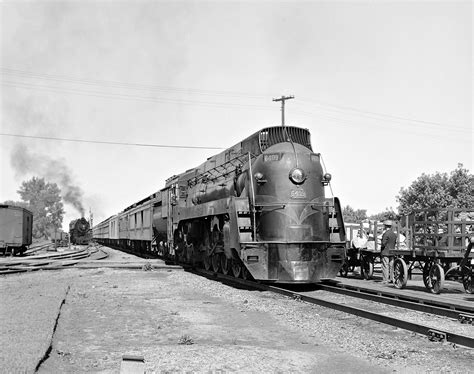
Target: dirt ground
[(180, 322)]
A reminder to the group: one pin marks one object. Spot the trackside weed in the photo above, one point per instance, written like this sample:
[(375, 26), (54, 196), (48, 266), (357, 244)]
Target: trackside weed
[(185, 340)]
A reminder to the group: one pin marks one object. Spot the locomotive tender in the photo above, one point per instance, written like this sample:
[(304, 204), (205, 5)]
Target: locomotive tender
[(79, 231), (258, 208)]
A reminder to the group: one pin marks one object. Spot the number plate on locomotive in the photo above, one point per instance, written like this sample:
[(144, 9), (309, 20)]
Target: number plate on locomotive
[(298, 194), (271, 157)]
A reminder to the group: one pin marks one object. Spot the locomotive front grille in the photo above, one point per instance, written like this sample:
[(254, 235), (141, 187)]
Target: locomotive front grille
[(274, 135)]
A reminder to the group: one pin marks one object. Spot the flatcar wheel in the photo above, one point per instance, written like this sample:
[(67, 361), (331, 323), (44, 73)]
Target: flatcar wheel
[(426, 274), (344, 270), (225, 265), (236, 267), (400, 273), (216, 262), (367, 267), (467, 279), (436, 278)]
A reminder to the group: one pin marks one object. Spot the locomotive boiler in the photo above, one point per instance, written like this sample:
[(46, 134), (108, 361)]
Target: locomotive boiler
[(257, 209), (79, 231)]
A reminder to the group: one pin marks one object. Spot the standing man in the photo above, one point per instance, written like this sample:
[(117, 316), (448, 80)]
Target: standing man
[(389, 238)]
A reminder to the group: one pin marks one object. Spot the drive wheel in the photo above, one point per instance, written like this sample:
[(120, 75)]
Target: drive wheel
[(190, 254), (225, 263), (244, 273), (216, 262), (400, 273), (206, 259), (236, 267), (436, 278), (207, 262)]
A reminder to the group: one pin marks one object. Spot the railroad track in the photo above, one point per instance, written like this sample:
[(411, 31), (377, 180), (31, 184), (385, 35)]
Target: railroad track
[(90, 258), (430, 307), (463, 313), (49, 261), (432, 332), (37, 248)]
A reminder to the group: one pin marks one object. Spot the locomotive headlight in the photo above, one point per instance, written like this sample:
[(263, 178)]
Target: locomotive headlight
[(297, 175), (259, 178), (326, 179)]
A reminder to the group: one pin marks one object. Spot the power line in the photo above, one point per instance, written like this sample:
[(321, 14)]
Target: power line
[(346, 123), (378, 115), (110, 143), (128, 97), (388, 125), (136, 86)]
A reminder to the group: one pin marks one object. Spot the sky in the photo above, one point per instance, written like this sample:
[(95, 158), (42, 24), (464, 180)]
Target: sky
[(385, 89)]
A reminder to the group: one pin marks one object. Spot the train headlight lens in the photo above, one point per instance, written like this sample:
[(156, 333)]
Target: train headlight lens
[(297, 175), (259, 178), (327, 177)]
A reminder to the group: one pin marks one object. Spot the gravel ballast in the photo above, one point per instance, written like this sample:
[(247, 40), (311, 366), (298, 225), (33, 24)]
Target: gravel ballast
[(182, 322)]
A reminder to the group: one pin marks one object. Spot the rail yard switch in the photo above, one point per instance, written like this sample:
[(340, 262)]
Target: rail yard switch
[(132, 364)]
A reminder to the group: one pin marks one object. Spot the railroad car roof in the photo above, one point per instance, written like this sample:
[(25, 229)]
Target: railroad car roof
[(156, 195), (6, 206)]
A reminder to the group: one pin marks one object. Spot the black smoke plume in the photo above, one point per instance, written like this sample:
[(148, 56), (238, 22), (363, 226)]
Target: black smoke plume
[(26, 162)]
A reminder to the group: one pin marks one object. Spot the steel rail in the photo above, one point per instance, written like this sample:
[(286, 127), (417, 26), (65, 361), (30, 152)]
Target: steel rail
[(410, 326), (44, 262), (37, 248), (408, 302)]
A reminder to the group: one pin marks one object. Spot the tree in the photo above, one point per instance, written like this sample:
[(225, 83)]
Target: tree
[(354, 216), (388, 214), (44, 200), (439, 190), (461, 188)]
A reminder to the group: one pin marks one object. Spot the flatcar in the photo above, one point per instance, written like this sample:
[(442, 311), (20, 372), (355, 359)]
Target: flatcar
[(258, 209), (79, 231), (16, 227), (59, 237), (440, 245), (437, 242)]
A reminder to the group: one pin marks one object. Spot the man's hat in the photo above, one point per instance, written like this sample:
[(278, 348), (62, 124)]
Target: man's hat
[(387, 223)]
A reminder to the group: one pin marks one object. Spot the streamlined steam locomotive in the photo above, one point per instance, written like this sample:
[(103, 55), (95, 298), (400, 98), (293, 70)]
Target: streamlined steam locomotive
[(257, 209), (79, 231)]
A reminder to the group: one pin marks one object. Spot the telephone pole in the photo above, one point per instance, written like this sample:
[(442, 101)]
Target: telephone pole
[(283, 99)]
